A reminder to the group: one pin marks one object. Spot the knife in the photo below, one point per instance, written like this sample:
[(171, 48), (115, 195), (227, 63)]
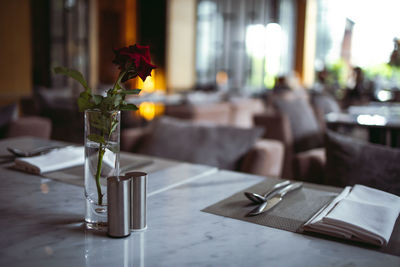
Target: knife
[(275, 199)]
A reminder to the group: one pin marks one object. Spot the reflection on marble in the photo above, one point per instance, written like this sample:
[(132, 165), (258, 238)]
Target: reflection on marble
[(175, 176), (126, 251)]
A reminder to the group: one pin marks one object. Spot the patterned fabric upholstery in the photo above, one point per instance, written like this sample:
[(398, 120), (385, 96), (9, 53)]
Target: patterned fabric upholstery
[(351, 161)]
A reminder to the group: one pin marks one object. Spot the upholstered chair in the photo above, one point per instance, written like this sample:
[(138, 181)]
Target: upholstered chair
[(13, 126), (352, 161), (225, 147), (292, 120)]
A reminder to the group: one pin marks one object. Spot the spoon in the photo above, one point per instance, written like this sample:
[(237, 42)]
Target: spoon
[(35, 152), (258, 199)]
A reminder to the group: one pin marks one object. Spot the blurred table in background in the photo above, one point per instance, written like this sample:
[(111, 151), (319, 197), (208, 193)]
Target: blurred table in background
[(382, 121)]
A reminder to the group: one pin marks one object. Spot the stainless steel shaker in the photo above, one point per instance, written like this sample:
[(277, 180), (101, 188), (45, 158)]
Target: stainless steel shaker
[(138, 198), (118, 194)]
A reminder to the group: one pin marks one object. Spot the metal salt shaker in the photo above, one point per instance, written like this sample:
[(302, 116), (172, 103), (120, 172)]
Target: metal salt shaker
[(138, 200), (118, 194)]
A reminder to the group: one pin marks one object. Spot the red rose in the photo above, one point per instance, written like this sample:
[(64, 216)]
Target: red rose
[(135, 60)]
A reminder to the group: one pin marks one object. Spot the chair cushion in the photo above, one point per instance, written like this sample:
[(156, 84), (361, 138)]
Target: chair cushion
[(219, 146), (306, 132), (309, 165), (351, 161), (31, 126), (325, 103), (265, 158)]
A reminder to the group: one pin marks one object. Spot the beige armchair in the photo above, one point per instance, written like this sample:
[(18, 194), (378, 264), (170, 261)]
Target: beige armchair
[(237, 112), (11, 125), (264, 157), (30, 126), (294, 122)]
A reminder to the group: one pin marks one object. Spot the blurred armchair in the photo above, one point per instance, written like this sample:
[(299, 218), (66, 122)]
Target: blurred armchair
[(292, 120), (237, 112), (218, 113), (220, 146), (12, 126)]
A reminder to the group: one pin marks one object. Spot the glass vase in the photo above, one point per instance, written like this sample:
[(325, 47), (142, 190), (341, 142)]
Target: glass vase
[(102, 145)]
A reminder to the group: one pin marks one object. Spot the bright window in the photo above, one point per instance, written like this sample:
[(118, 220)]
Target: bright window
[(371, 27), (246, 42)]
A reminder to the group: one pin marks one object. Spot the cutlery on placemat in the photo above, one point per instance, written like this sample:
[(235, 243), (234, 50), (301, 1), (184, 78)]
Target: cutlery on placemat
[(258, 199), (34, 152), (275, 199)]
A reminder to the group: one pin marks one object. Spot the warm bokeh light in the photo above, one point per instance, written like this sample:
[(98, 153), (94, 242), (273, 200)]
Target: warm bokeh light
[(222, 78), (150, 110), (155, 82), (44, 188), (148, 85)]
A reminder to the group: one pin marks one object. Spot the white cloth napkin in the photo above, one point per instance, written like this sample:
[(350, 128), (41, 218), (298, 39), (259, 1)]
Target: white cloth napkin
[(360, 213), (57, 159)]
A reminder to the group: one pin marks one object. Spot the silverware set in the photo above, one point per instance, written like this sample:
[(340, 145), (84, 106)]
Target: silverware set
[(20, 153), (272, 197), (32, 153)]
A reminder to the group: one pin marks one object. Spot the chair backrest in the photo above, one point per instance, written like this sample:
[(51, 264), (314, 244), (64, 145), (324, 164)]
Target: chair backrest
[(325, 103), (351, 161), (242, 111), (218, 113), (30, 126), (306, 132), (214, 145)]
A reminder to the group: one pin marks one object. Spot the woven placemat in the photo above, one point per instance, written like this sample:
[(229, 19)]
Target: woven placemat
[(291, 213), (74, 175)]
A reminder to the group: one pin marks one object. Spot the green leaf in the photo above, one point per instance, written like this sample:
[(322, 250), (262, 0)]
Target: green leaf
[(113, 149), (128, 107), (97, 138), (84, 103), (85, 94), (74, 74), (97, 121), (117, 100), (131, 92), (97, 99), (113, 126)]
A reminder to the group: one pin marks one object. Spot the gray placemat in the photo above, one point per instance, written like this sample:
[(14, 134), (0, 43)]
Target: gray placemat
[(291, 213), (74, 175)]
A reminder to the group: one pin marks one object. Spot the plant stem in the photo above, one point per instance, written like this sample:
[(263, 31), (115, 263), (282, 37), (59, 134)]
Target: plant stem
[(98, 172), (121, 74)]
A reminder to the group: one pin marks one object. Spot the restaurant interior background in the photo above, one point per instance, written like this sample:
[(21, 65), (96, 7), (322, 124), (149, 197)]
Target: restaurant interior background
[(207, 52)]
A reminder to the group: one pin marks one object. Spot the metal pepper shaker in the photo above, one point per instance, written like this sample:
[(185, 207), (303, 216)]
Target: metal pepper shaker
[(138, 198), (118, 212)]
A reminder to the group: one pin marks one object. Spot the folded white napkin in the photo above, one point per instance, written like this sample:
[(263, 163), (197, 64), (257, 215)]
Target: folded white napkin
[(57, 159), (358, 213)]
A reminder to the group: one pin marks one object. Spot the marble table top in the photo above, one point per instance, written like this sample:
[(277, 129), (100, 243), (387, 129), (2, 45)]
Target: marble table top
[(41, 224)]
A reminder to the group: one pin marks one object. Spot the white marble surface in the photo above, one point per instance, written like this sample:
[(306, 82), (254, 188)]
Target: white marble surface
[(41, 225)]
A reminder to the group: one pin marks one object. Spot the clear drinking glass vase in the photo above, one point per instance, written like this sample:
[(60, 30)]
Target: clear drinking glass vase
[(102, 142)]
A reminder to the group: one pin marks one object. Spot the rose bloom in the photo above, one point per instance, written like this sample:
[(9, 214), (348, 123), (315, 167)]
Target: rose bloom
[(135, 60)]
